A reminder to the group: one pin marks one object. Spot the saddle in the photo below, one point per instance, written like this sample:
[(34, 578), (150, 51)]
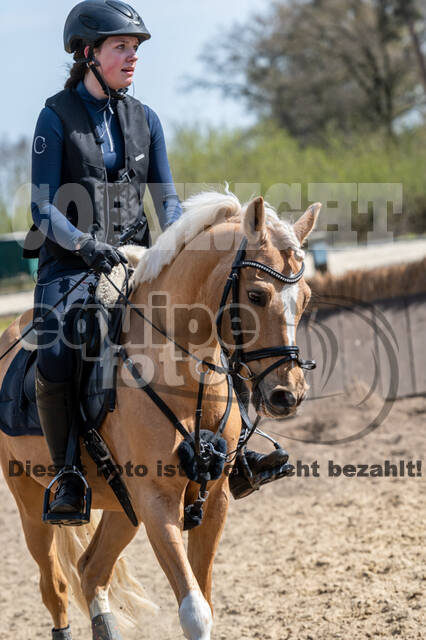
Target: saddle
[(97, 393), (18, 409), (98, 326)]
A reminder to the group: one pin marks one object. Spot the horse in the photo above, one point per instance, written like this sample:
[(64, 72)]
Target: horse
[(188, 266)]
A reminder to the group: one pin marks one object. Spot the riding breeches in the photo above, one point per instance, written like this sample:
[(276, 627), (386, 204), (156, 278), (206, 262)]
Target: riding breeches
[(57, 348)]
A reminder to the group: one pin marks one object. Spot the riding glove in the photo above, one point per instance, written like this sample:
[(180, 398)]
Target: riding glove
[(98, 255)]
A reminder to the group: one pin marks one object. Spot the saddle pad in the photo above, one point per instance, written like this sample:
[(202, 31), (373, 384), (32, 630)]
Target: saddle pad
[(18, 410), (105, 292)]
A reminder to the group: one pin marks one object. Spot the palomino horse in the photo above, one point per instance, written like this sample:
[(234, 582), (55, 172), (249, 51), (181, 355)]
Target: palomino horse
[(189, 265)]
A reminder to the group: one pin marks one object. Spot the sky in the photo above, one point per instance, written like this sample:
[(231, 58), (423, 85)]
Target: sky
[(35, 63)]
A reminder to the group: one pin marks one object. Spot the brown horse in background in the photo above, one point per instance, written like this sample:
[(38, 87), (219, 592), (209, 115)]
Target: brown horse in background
[(189, 264)]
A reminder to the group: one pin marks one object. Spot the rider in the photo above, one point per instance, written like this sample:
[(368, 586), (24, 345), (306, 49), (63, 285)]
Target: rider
[(91, 139)]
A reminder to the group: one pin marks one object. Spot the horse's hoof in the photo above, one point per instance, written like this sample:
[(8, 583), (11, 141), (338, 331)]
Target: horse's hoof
[(62, 634), (104, 627)]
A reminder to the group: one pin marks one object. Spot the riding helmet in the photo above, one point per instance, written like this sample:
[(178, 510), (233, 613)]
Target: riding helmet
[(92, 20)]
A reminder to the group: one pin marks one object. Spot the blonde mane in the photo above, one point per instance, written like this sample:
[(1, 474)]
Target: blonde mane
[(201, 211)]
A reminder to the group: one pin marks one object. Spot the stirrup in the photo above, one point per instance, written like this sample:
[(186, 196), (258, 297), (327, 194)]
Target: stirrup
[(68, 519)]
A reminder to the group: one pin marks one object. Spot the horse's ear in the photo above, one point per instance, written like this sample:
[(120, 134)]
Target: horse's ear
[(254, 220), (306, 222)]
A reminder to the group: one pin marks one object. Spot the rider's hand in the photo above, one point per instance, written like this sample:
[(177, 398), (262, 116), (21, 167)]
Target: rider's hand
[(98, 255)]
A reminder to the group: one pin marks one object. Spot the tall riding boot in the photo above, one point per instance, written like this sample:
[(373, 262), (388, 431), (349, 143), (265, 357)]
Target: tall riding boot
[(56, 410)]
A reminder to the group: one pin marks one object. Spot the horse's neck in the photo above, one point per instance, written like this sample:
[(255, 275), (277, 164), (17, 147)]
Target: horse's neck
[(169, 302), (185, 294)]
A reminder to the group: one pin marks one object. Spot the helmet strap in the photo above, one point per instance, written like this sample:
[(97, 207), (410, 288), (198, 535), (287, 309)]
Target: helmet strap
[(92, 64)]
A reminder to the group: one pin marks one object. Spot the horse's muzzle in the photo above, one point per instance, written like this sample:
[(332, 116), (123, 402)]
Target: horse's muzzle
[(276, 402)]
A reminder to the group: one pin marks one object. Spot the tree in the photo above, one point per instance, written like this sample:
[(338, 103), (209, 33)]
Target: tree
[(14, 172), (316, 65), (409, 12)]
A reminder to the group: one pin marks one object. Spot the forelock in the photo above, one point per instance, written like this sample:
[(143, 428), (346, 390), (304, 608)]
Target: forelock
[(284, 233)]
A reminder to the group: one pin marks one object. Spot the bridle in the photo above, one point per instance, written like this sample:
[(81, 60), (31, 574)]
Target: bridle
[(231, 365), (239, 357)]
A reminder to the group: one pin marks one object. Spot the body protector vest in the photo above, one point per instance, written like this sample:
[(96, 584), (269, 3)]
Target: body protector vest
[(86, 197)]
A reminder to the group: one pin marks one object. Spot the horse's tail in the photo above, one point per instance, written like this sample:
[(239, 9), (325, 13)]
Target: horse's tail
[(127, 596)]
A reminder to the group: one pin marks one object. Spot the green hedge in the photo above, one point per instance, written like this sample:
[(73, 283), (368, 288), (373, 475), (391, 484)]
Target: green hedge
[(267, 155)]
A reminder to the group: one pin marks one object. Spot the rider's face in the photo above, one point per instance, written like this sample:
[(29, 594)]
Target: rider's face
[(117, 57)]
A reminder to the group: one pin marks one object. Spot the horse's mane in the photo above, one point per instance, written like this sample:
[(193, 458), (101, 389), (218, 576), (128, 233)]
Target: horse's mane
[(201, 211)]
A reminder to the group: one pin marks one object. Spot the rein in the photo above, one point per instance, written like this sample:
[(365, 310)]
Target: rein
[(39, 321)]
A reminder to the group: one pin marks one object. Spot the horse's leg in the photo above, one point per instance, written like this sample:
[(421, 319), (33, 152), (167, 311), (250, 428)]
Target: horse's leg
[(40, 541), (203, 540), (96, 567), (163, 523)]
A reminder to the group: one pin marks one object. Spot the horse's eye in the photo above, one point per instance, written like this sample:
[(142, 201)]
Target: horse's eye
[(257, 297)]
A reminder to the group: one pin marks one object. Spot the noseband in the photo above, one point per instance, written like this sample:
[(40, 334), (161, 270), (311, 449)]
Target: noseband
[(239, 357)]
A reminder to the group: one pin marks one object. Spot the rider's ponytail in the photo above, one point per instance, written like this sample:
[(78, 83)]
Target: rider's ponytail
[(77, 71), (79, 68)]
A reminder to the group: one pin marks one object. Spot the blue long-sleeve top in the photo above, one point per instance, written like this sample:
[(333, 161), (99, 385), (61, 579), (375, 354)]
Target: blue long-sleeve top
[(47, 166)]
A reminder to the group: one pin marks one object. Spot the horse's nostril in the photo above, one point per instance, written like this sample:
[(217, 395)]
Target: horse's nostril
[(282, 399)]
